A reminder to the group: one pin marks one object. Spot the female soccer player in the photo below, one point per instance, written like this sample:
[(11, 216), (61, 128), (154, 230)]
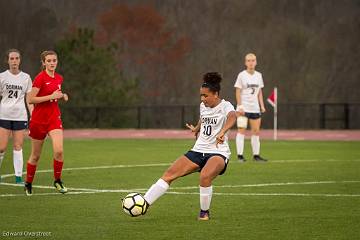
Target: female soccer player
[(45, 119), (14, 86), (211, 151), (250, 105)]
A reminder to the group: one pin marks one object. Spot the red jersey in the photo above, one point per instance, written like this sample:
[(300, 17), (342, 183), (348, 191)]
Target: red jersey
[(46, 112)]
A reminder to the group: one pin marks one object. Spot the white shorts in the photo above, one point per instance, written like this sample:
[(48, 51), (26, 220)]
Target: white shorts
[(242, 122)]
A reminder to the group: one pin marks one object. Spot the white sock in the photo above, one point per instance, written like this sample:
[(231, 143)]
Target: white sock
[(240, 143), (205, 197), (255, 144), (156, 191), (2, 154), (18, 162)]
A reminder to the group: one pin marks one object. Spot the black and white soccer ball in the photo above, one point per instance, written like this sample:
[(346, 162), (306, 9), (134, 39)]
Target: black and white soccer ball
[(134, 204)]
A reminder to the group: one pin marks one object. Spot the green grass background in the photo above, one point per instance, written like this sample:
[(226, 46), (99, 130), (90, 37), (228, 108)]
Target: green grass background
[(99, 216)]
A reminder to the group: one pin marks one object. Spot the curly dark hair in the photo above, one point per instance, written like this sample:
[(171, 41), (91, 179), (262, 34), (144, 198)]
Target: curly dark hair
[(212, 81)]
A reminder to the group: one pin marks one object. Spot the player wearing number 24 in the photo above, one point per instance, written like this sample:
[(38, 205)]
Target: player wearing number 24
[(14, 88)]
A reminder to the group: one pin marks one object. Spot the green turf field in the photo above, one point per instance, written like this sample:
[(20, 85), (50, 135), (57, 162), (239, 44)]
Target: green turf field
[(309, 190)]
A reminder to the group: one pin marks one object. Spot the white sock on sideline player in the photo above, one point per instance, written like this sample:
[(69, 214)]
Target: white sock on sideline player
[(240, 143), (156, 190), (205, 197), (18, 162), (255, 144)]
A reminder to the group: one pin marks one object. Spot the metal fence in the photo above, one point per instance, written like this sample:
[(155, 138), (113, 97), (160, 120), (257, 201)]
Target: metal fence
[(290, 116)]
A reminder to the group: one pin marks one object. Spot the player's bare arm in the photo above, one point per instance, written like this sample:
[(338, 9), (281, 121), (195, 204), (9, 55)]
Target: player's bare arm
[(194, 129), (33, 99), (239, 108), (230, 121), (28, 104), (261, 101)]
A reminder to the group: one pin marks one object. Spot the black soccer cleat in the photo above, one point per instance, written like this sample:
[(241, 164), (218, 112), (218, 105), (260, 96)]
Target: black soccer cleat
[(28, 189), (59, 186), (204, 215), (241, 159), (257, 158)]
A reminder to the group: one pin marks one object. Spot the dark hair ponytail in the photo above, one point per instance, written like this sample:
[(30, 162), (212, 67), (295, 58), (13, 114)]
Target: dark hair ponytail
[(212, 81)]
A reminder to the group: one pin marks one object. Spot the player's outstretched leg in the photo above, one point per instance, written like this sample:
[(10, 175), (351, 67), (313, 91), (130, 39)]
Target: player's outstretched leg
[(181, 167)]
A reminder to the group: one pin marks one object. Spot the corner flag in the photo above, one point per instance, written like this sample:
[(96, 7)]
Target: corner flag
[(273, 101)]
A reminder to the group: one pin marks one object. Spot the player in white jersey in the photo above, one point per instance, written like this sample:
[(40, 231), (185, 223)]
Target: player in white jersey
[(211, 152), (250, 105), (14, 85)]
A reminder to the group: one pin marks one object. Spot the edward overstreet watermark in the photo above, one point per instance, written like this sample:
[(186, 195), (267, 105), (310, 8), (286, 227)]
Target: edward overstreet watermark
[(28, 234)]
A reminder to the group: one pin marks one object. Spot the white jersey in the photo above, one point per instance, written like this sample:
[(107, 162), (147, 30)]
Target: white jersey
[(250, 86), (12, 90), (212, 121)]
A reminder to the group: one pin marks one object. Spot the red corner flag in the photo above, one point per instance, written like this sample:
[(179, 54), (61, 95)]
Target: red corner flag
[(272, 99)]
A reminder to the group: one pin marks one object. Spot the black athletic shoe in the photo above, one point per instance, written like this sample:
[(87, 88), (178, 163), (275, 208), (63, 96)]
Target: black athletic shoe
[(257, 158), (28, 189), (59, 186), (241, 159)]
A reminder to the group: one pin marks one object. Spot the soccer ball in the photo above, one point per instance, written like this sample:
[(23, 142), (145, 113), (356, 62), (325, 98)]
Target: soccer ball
[(134, 204)]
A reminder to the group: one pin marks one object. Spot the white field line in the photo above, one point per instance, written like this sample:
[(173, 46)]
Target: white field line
[(167, 164), (274, 194), (194, 193), (73, 189), (44, 194), (311, 160), (191, 187), (94, 168), (88, 190)]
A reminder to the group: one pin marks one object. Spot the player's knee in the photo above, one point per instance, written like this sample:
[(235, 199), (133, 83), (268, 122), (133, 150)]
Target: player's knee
[(205, 179), (34, 158), (169, 176), (241, 130), (17, 146), (255, 131), (58, 154)]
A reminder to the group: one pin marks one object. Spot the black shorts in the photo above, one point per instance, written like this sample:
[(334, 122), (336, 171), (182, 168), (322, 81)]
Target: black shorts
[(13, 125), (253, 116), (202, 158)]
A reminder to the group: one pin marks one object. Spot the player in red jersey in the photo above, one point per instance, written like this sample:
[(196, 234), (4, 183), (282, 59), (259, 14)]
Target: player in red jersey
[(46, 119)]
